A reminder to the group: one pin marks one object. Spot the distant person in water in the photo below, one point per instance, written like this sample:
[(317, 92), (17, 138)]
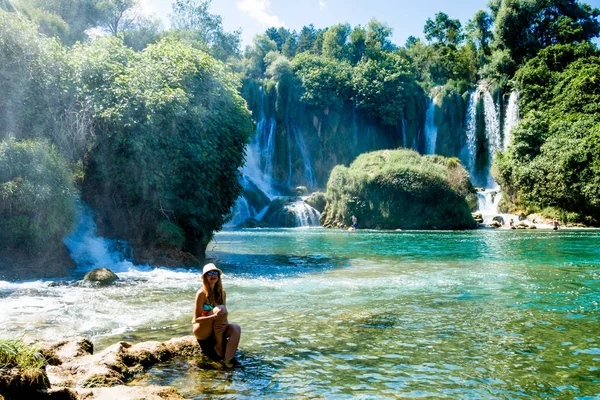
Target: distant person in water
[(511, 224), (218, 338), (555, 224), (354, 222)]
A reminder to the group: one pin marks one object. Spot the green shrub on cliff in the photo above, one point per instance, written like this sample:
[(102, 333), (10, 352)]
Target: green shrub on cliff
[(36, 196), (163, 171), (393, 189), (554, 157)]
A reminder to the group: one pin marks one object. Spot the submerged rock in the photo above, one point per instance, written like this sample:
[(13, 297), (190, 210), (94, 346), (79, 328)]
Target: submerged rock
[(101, 276)]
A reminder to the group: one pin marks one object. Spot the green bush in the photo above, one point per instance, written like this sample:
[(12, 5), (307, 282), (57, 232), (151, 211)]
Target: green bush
[(554, 159), (393, 189), (36, 196), (171, 135)]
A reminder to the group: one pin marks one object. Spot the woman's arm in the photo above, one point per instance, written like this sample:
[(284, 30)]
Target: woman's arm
[(200, 300)]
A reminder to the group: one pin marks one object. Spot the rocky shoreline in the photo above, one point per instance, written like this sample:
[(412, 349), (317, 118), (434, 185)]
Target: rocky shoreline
[(74, 372)]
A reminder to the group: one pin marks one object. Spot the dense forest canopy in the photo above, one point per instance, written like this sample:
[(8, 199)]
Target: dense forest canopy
[(152, 125)]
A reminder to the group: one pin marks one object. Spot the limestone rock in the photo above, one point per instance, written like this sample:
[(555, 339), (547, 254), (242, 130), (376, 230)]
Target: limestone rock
[(494, 224), (101, 276)]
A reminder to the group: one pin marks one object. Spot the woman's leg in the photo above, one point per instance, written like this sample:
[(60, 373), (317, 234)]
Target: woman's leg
[(234, 333), (219, 327)]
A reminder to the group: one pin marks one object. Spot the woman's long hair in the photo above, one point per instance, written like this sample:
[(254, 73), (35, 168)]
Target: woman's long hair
[(213, 296)]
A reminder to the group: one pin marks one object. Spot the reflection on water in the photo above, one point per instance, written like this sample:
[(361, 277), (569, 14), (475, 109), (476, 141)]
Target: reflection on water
[(332, 314)]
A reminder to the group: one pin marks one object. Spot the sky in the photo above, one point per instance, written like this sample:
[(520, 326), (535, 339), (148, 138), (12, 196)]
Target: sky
[(406, 17)]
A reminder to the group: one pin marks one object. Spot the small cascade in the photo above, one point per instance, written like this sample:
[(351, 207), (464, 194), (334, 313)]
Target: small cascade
[(291, 213), (487, 202), (90, 251), (430, 127), (305, 214), (511, 118)]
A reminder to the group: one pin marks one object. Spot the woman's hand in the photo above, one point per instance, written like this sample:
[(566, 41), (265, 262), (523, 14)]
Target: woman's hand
[(220, 327)]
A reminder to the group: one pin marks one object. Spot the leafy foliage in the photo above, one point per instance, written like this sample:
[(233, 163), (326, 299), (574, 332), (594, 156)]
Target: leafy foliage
[(173, 131), (554, 159), (36, 196), (393, 189)]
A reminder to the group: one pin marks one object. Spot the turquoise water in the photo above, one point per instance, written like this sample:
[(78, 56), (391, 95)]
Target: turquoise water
[(479, 314), (331, 314)]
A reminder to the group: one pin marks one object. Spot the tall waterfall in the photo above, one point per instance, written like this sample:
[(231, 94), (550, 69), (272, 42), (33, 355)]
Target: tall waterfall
[(469, 152), (482, 176), (431, 128), (258, 171), (260, 152), (309, 173), (492, 132), (511, 118)]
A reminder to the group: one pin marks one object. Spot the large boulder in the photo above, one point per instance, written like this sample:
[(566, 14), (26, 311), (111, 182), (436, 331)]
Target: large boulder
[(317, 201), (400, 189), (101, 276)]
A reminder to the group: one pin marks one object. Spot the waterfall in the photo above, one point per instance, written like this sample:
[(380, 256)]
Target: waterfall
[(90, 251), (305, 214), (430, 127), (492, 131), (309, 173), (511, 118), (469, 151), (488, 200), (264, 138), (492, 134)]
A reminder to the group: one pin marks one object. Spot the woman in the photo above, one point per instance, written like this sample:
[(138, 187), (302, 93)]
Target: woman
[(218, 338)]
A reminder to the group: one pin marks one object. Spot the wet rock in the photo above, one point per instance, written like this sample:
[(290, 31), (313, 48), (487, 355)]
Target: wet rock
[(494, 224), (301, 191), (317, 201), (101, 276), (477, 217), (499, 219), (103, 375)]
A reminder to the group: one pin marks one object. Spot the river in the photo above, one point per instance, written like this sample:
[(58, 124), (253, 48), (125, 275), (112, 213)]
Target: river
[(370, 315)]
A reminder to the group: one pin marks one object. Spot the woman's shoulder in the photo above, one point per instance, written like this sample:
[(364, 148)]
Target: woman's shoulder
[(200, 293)]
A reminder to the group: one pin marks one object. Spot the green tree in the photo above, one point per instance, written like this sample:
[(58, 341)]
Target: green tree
[(255, 55), (36, 196), (358, 44), (378, 38), (306, 39), (171, 132), (335, 41), (205, 30), (326, 82), (67, 19), (381, 86), (525, 27), (553, 159), (444, 30)]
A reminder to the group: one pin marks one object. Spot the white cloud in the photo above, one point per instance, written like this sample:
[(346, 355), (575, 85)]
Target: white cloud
[(322, 4), (257, 9)]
